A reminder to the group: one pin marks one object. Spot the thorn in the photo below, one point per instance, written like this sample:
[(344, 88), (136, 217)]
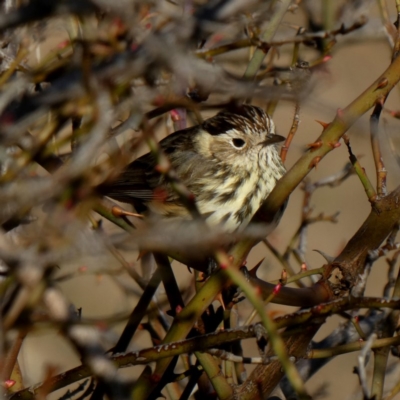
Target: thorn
[(63, 44), (202, 277), (315, 145), (283, 279), (119, 212), (253, 271), (322, 123), (328, 258), (303, 267), (9, 383), (277, 289), (395, 114), (162, 168), (334, 145), (383, 82), (83, 268), (175, 115), (314, 162), (219, 298), (178, 309), (339, 113), (317, 309), (326, 58)]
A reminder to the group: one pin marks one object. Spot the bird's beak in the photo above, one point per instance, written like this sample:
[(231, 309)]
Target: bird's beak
[(272, 139)]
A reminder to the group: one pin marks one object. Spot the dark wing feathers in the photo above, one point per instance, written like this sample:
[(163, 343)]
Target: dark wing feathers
[(137, 183), (134, 182)]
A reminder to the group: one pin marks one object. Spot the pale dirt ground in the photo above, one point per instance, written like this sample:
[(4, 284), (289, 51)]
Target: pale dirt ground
[(351, 70)]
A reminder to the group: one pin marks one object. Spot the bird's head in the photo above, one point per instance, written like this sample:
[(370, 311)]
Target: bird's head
[(237, 136)]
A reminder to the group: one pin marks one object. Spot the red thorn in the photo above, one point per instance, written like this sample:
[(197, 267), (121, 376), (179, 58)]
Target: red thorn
[(223, 266), (63, 44), (9, 383), (322, 123), (315, 145), (357, 318), (277, 289), (258, 290), (317, 309), (202, 277), (253, 271), (340, 113), (175, 115), (327, 58), (119, 212), (303, 267), (334, 145), (314, 162), (116, 211), (395, 114), (178, 309), (83, 268), (162, 169), (383, 82)]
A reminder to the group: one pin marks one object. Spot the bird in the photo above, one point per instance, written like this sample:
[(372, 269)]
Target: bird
[(230, 163)]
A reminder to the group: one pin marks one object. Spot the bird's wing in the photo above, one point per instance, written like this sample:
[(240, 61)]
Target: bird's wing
[(136, 182), (141, 183)]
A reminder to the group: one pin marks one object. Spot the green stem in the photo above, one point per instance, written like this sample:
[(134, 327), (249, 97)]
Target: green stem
[(259, 54), (277, 343)]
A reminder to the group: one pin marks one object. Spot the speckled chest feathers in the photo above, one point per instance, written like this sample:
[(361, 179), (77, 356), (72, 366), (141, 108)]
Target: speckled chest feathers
[(230, 163)]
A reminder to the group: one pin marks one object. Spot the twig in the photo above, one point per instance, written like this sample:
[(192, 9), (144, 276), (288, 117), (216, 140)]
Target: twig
[(381, 172), (293, 130), (362, 361), (259, 55), (369, 189)]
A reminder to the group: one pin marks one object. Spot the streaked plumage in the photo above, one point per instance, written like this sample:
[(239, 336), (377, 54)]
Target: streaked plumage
[(229, 162)]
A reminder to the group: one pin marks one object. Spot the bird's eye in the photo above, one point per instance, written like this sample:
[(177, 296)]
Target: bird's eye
[(238, 143)]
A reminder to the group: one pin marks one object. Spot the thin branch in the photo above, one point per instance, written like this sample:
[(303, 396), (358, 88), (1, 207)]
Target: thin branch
[(360, 171), (381, 172)]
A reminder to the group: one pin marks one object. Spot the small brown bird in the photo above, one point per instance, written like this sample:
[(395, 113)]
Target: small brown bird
[(230, 163)]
